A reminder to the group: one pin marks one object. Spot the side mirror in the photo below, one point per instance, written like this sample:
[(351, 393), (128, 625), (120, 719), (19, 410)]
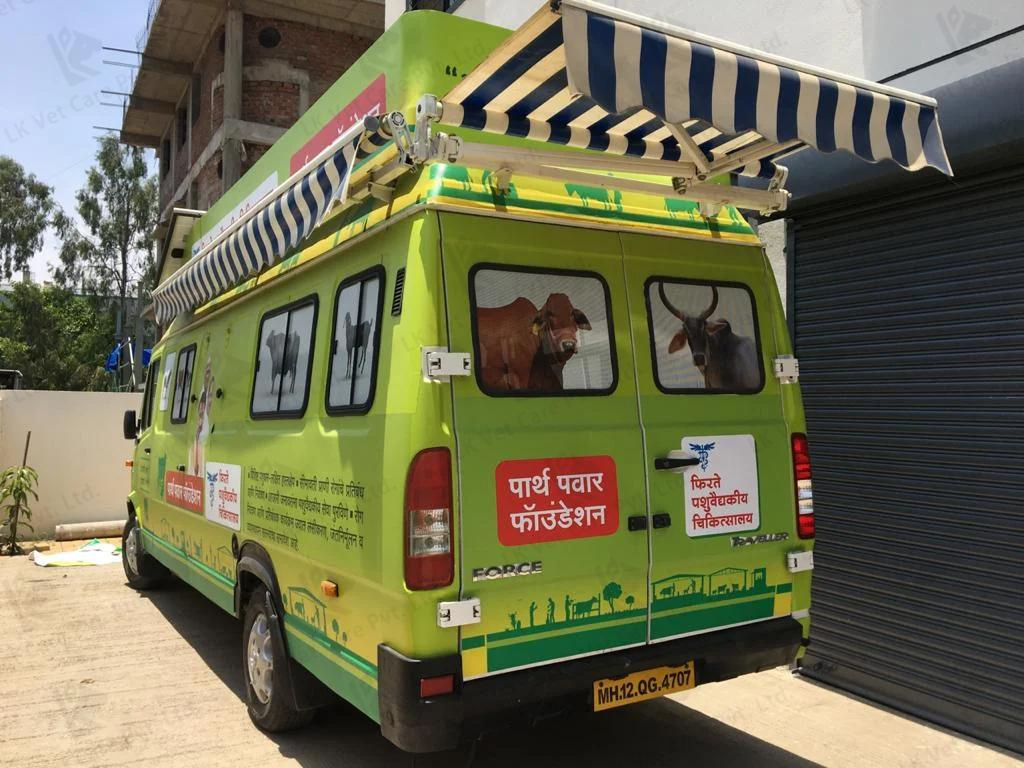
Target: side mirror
[(131, 425)]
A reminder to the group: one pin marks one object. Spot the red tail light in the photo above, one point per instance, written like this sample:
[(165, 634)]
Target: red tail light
[(429, 559), (804, 491)]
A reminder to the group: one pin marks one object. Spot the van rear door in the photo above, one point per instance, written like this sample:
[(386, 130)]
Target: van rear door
[(553, 506), (719, 462)]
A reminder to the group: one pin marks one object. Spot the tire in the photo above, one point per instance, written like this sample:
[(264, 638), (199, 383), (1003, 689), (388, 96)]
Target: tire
[(141, 570), (270, 707)]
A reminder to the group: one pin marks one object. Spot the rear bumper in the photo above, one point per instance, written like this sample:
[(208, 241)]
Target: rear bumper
[(431, 725)]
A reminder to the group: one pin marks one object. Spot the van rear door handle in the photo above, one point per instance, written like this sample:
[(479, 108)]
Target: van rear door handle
[(662, 520), (637, 522), (666, 462)]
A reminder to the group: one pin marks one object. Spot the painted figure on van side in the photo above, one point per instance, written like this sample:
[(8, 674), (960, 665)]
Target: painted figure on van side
[(523, 348), (284, 358), (726, 360), (204, 424), (357, 339)]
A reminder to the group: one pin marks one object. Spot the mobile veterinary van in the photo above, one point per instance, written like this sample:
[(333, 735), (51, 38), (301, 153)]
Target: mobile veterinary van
[(457, 424)]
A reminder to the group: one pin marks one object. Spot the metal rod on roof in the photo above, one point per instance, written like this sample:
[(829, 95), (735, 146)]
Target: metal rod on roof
[(121, 50), (120, 64), (115, 93), (111, 104)]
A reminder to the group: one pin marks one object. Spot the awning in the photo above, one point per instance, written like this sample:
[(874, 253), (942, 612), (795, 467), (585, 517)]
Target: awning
[(272, 227), (595, 77)]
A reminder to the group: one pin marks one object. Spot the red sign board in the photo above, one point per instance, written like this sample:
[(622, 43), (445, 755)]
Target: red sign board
[(556, 499), (372, 101), (185, 491)]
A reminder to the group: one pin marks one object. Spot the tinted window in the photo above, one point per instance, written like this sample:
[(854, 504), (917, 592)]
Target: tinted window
[(541, 332), (183, 384), (281, 386), (357, 313), (152, 382), (704, 337)]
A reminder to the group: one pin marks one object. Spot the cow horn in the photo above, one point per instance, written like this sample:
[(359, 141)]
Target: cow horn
[(714, 304), (668, 304)]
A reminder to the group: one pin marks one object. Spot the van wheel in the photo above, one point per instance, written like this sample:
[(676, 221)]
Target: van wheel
[(141, 570), (268, 702)]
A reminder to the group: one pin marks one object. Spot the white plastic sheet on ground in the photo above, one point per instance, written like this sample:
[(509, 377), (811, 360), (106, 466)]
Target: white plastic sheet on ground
[(95, 552)]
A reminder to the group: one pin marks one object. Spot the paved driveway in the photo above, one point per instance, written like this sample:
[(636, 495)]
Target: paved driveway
[(94, 674)]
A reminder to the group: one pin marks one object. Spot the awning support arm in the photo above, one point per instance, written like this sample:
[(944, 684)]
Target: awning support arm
[(691, 152)]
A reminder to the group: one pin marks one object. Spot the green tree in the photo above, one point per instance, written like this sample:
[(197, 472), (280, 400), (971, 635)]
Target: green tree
[(57, 340), (612, 592), (114, 257), (26, 206)]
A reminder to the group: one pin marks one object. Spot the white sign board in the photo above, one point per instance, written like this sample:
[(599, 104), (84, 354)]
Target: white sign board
[(269, 184), (224, 494), (720, 494), (168, 379)]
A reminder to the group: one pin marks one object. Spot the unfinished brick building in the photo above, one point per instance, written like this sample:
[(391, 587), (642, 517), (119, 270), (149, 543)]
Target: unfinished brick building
[(221, 80)]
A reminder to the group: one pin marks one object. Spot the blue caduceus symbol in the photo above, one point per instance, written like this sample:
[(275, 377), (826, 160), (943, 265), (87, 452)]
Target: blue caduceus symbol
[(703, 453)]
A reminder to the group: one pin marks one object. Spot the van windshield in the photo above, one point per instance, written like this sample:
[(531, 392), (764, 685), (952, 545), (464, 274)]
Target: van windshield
[(704, 337), (541, 332)]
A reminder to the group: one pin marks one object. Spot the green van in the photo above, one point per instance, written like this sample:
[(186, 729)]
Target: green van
[(484, 440)]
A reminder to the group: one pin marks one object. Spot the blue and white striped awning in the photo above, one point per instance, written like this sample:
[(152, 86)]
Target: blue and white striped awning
[(595, 77), (273, 227)]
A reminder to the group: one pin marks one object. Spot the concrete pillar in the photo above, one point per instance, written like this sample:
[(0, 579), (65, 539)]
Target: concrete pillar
[(233, 43)]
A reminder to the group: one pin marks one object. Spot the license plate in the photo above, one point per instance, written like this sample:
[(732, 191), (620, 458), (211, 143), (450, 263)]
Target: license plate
[(640, 686)]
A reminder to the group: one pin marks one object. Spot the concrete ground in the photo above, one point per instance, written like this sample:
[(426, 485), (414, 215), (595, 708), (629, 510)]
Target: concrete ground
[(93, 674)]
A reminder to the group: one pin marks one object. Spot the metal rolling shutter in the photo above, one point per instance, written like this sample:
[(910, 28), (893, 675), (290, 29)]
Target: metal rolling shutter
[(909, 327)]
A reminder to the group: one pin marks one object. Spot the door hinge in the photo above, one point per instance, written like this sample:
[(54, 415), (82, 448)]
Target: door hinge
[(440, 365), (458, 613), (787, 369), (800, 561)]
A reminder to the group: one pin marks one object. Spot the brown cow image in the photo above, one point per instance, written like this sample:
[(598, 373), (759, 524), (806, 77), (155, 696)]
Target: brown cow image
[(284, 358), (523, 348)]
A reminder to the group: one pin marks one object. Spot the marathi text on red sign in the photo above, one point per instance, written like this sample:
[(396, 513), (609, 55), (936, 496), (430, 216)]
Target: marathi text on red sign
[(541, 500), (185, 491), (370, 102)]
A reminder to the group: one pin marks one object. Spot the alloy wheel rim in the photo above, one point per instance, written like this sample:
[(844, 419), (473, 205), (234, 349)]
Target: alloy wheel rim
[(132, 550), (260, 658)]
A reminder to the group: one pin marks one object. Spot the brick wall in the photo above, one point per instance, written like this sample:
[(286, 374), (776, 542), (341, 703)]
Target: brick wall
[(325, 54), (320, 53), (209, 187), (211, 108), (271, 103)]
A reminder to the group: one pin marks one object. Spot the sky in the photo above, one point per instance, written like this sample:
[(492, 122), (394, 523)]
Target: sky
[(51, 83)]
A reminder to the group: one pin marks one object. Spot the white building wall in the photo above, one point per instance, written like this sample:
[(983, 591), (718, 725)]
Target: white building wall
[(78, 449)]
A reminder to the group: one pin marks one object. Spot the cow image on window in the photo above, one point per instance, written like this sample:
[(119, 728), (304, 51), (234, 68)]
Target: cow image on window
[(282, 369), (356, 315), (704, 337), (183, 384), (542, 332)]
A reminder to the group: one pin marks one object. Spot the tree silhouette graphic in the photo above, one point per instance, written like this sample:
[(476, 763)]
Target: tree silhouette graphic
[(335, 627), (612, 592), (629, 602)]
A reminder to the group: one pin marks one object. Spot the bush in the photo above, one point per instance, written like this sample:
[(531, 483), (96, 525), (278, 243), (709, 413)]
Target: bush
[(16, 485)]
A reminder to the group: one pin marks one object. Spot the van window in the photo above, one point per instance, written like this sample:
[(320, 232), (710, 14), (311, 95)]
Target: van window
[(541, 332), (704, 337), (357, 315), (281, 384), (183, 384), (152, 380)]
